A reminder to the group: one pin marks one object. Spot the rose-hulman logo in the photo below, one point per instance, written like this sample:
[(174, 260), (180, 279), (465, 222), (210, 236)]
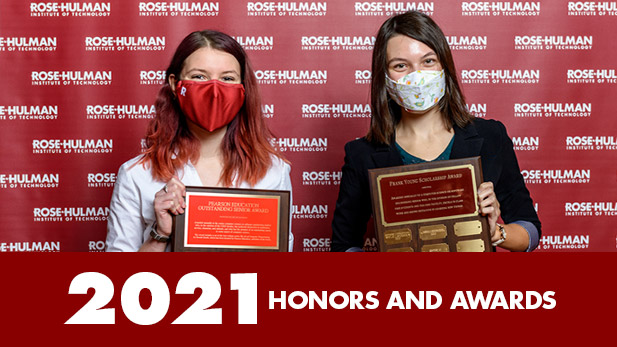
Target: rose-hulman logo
[(282, 9), (590, 143), (553, 42), (267, 110), (316, 244), (467, 43), (125, 43), (70, 214), (151, 77), (378, 9), (564, 242), (555, 110), (28, 44), (70, 9), (313, 77), (362, 76), (588, 208), (101, 180), (120, 112), (592, 8), (500, 8), (591, 76), (96, 246), (80, 146), (178, 9), (22, 180), (76, 78), (336, 111), (556, 176), (256, 43), (478, 110), (28, 112), (526, 143), (321, 178), (346, 43), (310, 211), (29, 246), (500, 76), (305, 144)]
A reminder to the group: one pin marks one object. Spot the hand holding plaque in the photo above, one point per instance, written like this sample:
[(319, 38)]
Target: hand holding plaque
[(429, 207), (229, 219)]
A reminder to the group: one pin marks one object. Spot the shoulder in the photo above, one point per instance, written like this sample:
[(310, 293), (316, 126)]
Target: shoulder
[(277, 176), (491, 130), (362, 152), (487, 126), (362, 147), (279, 166), (360, 144), (135, 170)]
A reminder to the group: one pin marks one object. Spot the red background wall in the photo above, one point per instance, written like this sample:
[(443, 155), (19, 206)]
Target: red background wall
[(78, 86)]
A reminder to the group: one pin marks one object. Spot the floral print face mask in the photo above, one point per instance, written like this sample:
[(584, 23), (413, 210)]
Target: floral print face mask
[(419, 90)]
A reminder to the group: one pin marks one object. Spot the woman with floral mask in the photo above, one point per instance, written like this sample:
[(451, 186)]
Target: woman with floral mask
[(419, 114), (208, 131)]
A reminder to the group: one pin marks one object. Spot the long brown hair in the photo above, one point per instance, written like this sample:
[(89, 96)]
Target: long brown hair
[(385, 112), (247, 151)]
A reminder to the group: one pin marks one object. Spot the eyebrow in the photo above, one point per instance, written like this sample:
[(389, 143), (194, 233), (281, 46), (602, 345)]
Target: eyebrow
[(405, 60)]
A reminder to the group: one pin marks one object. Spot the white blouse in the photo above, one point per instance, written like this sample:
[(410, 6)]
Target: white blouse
[(131, 212)]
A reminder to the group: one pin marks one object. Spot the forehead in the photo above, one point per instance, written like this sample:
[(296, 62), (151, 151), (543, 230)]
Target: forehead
[(404, 47), (211, 60)]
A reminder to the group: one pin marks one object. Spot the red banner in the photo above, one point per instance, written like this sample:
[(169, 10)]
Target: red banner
[(281, 299)]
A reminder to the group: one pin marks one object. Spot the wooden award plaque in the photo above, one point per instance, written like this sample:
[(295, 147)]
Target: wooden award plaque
[(429, 207)]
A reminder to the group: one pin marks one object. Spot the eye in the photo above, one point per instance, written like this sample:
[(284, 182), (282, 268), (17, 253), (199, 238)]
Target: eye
[(430, 61), (199, 77), (228, 79), (399, 67)]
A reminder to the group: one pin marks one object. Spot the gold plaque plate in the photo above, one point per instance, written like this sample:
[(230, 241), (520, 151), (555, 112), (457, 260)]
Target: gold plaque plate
[(438, 247), (473, 227), (433, 232), (470, 246), (400, 249), (392, 237)]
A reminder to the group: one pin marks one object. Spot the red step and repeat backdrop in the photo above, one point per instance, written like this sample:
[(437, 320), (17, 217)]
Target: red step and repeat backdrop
[(80, 78)]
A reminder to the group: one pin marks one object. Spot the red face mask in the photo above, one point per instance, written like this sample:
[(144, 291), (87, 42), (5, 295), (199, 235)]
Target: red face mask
[(210, 104)]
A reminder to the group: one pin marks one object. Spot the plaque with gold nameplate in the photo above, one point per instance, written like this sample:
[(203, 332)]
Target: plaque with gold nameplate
[(429, 207)]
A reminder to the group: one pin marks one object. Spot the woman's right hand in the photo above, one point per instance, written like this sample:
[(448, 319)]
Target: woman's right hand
[(167, 202)]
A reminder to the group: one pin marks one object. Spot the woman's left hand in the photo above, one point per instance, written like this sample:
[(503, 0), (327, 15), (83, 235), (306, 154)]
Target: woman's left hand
[(489, 205)]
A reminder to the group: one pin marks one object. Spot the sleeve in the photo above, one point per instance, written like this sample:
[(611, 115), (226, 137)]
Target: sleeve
[(353, 206), (285, 184), (514, 198), (532, 231), (125, 226)]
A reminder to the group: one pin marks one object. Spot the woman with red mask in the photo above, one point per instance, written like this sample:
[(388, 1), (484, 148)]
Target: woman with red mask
[(208, 131)]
